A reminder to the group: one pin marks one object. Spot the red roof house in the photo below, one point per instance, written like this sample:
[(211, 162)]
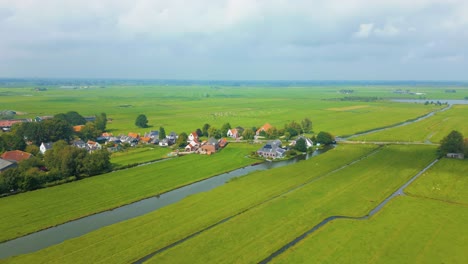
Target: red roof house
[(16, 155)]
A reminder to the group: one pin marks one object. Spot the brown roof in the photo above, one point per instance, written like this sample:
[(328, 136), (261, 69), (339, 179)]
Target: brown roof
[(145, 139), (265, 127), (78, 128), (9, 123), (133, 135), (16, 155)]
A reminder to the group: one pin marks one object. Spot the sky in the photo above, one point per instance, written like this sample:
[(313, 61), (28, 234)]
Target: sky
[(235, 39)]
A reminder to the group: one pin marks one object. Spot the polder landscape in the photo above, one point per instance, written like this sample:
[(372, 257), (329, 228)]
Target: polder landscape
[(382, 191)]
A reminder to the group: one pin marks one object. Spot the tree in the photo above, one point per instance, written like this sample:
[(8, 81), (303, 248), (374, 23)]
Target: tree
[(101, 122), (205, 129), (325, 138), (248, 134), (293, 128), (301, 145), (90, 131), (162, 133), (141, 121), (452, 143), (182, 140), (199, 132), (225, 128), (56, 129), (12, 142), (306, 125), (72, 117), (214, 132)]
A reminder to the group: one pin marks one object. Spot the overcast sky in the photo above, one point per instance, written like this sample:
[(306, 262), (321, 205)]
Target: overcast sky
[(235, 39)]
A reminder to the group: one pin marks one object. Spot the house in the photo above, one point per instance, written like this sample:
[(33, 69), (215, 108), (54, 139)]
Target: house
[(106, 135), (90, 118), (5, 125), (172, 137), (455, 155), (191, 147), (45, 146), (79, 144), (308, 141), (145, 140), (165, 142), (222, 143), (234, 133), (134, 135), (272, 149), (211, 146), (152, 134), (78, 128), (92, 146), (265, 128), (5, 164), (192, 137), (16, 156)]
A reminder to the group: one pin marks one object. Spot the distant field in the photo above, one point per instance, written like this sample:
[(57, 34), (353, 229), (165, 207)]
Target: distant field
[(432, 129), (184, 109), (127, 241), (31, 211), (430, 227)]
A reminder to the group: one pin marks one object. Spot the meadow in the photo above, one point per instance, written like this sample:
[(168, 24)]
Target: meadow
[(427, 226), (24, 213), (432, 129), (129, 240), (186, 108), (273, 207), (138, 155)]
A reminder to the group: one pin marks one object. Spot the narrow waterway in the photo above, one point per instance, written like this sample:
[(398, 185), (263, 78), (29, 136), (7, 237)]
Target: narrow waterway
[(396, 125), (398, 192), (79, 227)]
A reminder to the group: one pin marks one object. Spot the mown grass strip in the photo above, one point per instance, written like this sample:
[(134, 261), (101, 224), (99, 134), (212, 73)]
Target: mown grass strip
[(138, 156), (353, 191), (32, 211), (130, 240)]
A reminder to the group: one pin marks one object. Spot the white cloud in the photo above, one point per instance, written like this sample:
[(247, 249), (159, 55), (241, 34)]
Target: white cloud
[(365, 30)]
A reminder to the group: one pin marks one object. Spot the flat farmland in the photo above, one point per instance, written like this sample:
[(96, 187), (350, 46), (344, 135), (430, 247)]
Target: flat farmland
[(184, 109), (32, 211), (432, 129), (428, 226), (130, 240), (256, 234)]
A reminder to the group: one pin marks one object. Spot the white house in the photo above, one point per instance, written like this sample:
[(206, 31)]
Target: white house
[(45, 146)]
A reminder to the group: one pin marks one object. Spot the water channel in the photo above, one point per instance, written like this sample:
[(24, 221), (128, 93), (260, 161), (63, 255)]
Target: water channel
[(79, 227)]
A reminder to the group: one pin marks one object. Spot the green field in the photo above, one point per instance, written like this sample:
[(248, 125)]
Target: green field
[(184, 109), (432, 129), (127, 241), (138, 155), (24, 213), (256, 234), (429, 226)]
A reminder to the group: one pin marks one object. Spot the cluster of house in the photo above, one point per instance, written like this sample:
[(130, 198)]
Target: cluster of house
[(10, 159), (5, 125), (133, 139), (209, 146)]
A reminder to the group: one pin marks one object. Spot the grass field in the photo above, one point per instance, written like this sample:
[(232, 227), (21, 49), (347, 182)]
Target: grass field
[(31, 211), (138, 155), (432, 129), (256, 234), (184, 109), (127, 241), (429, 226)]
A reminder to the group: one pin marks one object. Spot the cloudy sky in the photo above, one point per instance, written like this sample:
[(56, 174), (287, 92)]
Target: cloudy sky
[(235, 39)]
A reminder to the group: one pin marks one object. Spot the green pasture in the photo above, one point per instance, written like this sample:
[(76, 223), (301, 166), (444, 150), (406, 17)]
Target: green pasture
[(428, 226), (432, 129), (138, 155), (353, 191), (446, 181), (408, 230), (129, 240), (184, 109), (32, 211)]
